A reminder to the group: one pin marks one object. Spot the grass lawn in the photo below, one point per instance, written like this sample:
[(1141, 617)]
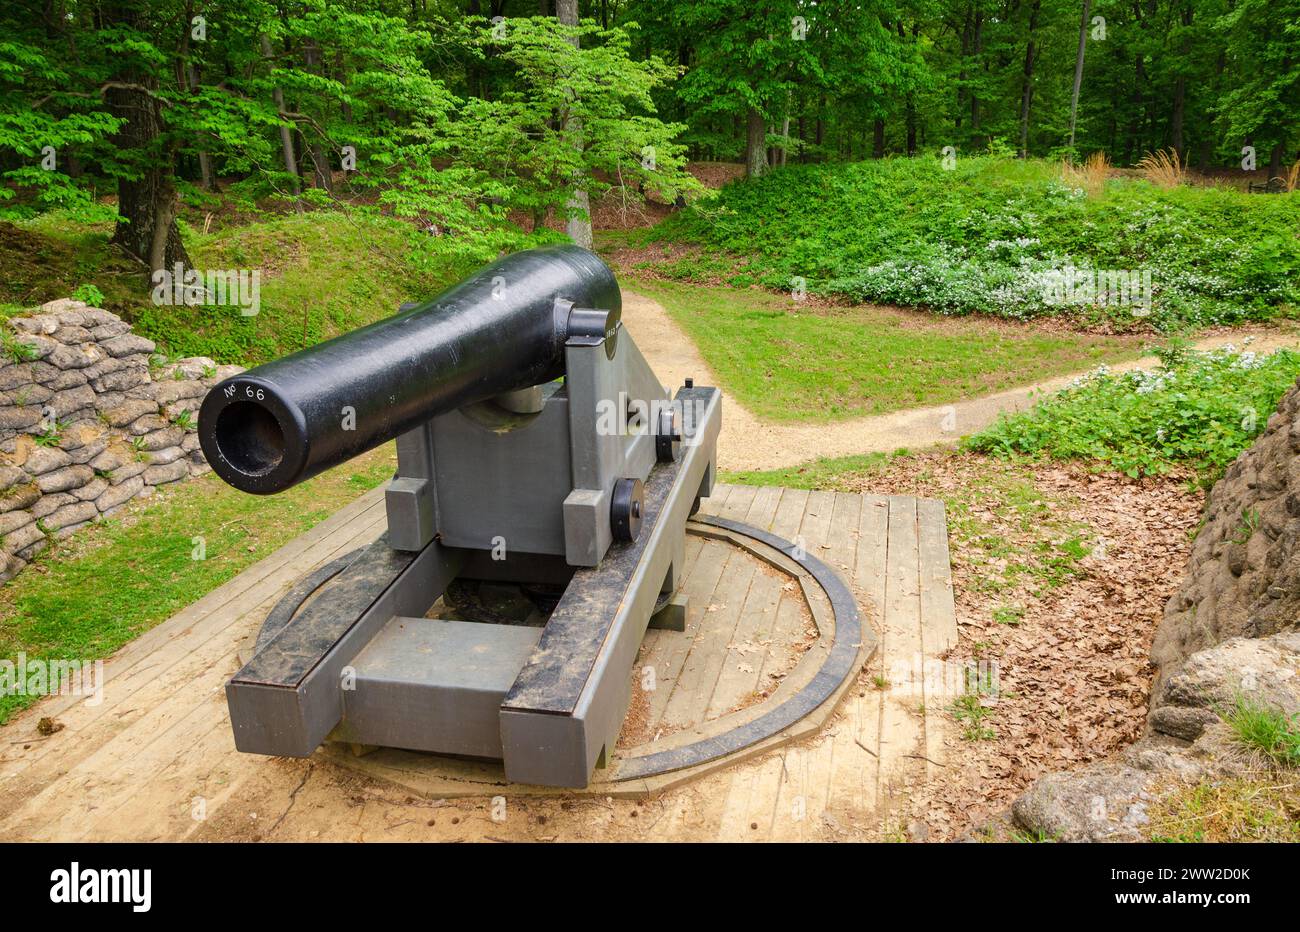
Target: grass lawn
[(322, 274), (84, 598), (792, 362)]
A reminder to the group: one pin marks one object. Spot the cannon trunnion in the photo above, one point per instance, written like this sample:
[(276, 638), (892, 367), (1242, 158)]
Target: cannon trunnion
[(537, 453)]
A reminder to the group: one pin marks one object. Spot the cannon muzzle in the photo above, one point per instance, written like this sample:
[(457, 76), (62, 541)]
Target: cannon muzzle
[(504, 328)]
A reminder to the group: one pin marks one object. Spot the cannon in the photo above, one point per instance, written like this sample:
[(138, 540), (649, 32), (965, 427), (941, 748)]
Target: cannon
[(540, 467)]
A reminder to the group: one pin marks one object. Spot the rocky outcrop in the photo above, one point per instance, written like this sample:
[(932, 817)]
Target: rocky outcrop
[(90, 418), (1243, 577), (1107, 800), (1229, 634)]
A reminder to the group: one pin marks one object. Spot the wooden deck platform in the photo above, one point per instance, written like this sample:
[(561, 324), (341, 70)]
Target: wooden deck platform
[(155, 759)]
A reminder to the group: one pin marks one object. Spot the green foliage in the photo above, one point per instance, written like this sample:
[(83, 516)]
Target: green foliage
[(990, 235), (970, 712), (90, 294), (1266, 729), (1198, 411), (322, 274)]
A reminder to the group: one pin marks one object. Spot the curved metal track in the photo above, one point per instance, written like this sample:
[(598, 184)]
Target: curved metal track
[(838, 667)]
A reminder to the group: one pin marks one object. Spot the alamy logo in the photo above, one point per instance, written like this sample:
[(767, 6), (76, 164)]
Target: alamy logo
[(192, 288), (52, 678), (106, 885)]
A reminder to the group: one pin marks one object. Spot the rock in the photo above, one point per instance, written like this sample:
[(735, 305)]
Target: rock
[(75, 357), (117, 495), (121, 380), (126, 344), (81, 456), (107, 365), (40, 324), (61, 480), (124, 414), (97, 316), (187, 408), (80, 433), (96, 487), (10, 476), (48, 504), (15, 375), (72, 334), (75, 513), (38, 347), (1105, 801), (223, 373), (162, 438), (19, 540), (147, 424), (114, 457), (199, 467), (108, 331), (33, 549), (45, 459), (1181, 721), (191, 442), (193, 367), (1248, 589), (19, 496), (127, 471), (70, 378), (1263, 671), (10, 566), (11, 521), (158, 475), (169, 392), (27, 395), (20, 418), (165, 456), (63, 306), (73, 399)]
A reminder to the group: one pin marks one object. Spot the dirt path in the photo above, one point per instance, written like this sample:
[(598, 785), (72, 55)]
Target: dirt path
[(750, 443)]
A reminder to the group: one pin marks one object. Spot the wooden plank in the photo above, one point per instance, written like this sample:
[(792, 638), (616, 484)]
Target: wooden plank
[(688, 701), (938, 619), (938, 613), (672, 649), (903, 718)]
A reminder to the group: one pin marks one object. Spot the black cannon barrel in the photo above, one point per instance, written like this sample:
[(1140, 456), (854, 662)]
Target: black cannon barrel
[(502, 329)]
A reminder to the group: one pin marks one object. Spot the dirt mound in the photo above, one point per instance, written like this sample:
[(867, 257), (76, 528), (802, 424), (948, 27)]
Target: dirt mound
[(1243, 577)]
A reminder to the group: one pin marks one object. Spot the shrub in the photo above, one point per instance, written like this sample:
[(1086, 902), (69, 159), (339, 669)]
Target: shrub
[(984, 236), (1197, 410)]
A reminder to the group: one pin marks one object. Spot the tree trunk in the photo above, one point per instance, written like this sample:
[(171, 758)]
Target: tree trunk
[(755, 140), (1078, 71), (977, 46), (1027, 85), (878, 139), (207, 180), (286, 131), (322, 175), (146, 204), (578, 225), (1180, 92)]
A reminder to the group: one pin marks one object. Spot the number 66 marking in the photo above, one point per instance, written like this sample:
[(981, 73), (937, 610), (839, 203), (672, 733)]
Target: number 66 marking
[(248, 390)]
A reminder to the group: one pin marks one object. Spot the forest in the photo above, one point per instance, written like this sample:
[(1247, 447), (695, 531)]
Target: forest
[(484, 118)]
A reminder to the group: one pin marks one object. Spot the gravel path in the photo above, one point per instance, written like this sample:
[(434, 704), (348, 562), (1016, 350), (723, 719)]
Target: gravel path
[(750, 443)]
